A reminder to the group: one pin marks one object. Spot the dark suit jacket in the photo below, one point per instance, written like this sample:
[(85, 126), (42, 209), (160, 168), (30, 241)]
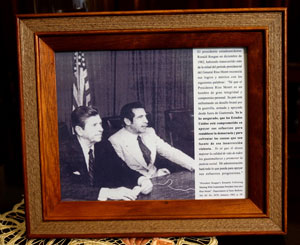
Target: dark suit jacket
[(110, 171)]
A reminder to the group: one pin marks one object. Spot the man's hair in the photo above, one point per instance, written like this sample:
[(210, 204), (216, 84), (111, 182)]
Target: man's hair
[(81, 113), (126, 111)]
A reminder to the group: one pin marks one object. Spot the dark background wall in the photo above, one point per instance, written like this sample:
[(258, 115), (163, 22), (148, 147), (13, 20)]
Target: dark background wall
[(11, 180), (159, 79)]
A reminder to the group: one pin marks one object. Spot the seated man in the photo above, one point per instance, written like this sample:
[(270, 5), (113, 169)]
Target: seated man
[(90, 168), (137, 144)]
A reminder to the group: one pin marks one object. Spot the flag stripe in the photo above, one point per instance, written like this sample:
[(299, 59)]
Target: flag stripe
[(81, 85)]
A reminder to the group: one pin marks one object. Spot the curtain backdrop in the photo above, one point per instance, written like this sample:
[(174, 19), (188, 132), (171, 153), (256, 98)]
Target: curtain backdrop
[(160, 79)]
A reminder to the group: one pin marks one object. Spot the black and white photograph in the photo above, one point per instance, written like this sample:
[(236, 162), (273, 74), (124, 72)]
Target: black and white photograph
[(126, 124)]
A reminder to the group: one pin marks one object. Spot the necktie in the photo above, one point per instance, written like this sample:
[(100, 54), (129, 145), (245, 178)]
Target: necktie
[(91, 166), (146, 152)]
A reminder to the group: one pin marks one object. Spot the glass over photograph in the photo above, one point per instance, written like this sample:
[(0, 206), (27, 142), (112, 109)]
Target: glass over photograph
[(152, 124)]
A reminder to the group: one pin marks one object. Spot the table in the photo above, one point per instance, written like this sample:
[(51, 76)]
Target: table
[(12, 232), (177, 185)]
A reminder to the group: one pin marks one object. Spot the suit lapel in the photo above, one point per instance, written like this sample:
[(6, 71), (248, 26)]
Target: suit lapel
[(133, 150), (149, 141), (78, 157)]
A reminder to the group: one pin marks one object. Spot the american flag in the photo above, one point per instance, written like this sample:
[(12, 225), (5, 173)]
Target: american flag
[(81, 86)]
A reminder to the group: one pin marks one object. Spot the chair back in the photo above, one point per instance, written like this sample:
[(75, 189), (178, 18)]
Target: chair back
[(180, 129), (111, 125)]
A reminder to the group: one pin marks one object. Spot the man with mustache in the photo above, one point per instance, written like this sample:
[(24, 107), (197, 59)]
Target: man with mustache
[(137, 144), (89, 167)]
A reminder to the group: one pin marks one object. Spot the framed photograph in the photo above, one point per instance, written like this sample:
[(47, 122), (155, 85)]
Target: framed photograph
[(154, 123)]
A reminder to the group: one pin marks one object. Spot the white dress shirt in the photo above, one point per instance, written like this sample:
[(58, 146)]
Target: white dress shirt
[(86, 150), (126, 146)]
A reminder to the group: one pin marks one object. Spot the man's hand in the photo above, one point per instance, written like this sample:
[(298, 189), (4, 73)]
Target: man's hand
[(146, 185), (162, 172), (121, 193)]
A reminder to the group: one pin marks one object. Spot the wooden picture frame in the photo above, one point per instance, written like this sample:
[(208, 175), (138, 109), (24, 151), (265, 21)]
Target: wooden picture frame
[(261, 31)]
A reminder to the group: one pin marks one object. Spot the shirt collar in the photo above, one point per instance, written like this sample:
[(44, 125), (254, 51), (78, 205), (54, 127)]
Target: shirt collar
[(84, 147), (85, 150), (131, 135)]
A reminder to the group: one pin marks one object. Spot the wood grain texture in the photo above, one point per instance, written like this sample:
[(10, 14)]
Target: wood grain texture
[(38, 128), (48, 127), (251, 40)]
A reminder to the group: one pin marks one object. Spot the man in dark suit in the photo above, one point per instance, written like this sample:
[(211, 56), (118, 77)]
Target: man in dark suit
[(90, 168)]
